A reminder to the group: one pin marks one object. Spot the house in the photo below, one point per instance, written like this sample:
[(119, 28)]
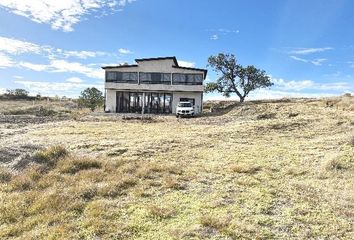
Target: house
[(152, 85)]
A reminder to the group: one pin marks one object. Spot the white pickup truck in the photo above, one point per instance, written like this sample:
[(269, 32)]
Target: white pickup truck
[(185, 109)]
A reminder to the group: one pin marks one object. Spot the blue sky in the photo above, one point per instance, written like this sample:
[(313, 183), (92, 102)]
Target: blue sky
[(58, 47)]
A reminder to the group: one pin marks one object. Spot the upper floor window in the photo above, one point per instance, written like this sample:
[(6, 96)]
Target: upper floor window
[(187, 79), (122, 77), (155, 78)]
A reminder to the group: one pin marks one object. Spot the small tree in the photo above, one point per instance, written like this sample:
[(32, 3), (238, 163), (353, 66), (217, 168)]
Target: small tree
[(17, 93), (91, 98), (234, 78)]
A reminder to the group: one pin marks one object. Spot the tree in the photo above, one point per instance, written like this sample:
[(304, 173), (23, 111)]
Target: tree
[(17, 93), (233, 78), (91, 98)]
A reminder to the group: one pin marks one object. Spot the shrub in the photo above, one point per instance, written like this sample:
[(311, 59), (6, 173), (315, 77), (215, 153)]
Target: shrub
[(213, 222), (21, 183), (266, 116), (115, 189), (351, 141), (74, 165), (173, 183), (5, 175), (243, 168), (51, 155), (335, 164), (161, 212)]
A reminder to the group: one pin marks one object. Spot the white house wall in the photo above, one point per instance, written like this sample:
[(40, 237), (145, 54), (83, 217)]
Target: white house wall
[(111, 100)]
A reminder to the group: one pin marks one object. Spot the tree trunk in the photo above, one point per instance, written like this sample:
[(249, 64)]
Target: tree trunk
[(242, 99)]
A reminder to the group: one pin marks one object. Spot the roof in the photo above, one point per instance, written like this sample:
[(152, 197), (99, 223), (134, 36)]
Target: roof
[(174, 59), (121, 66), (195, 69)]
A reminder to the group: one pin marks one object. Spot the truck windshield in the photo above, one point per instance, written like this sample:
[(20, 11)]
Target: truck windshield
[(185, 105)]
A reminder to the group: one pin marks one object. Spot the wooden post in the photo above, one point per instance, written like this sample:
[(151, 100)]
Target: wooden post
[(143, 107)]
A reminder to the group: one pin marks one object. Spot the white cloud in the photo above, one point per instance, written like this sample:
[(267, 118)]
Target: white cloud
[(10, 46), (124, 51), (317, 62), (122, 3), (276, 94), (292, 85), (33, 66), (342, 86), (284, 85), (305, 51), (15, 46), (186, 63), (61, 14), (5, 61), (214, 37), (82, 54), (227, 31), (2, 90), (75, 67), (299, 59), (65, 66), (56, 88), (75, 80), (18, 77)]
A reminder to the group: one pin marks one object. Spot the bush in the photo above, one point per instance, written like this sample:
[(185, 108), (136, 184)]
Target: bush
[(51, 155), (335, 164), (213, 222), (74, 165), (161, 212), (39, 112), (5, 175), (243, 168)]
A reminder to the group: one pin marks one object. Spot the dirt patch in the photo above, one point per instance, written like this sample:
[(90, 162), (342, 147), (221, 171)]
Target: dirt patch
[(17, 157)]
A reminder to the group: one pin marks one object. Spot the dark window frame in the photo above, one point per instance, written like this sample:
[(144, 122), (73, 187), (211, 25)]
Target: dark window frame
[(186, 82), (155, 81), (118, 77)]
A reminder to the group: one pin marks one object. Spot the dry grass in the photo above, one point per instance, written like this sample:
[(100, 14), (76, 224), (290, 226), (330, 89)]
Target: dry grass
[(230, 175)]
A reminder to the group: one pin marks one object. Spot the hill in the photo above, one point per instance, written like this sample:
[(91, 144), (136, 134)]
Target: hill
[(264, 169)]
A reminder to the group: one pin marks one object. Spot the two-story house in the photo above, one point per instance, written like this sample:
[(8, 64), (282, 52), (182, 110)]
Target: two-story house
[(153, 85)]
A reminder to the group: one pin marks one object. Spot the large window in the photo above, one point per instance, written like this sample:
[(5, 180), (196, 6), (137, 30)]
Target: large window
[(154, 102), (122, 77), (155, 78), (187, 79)]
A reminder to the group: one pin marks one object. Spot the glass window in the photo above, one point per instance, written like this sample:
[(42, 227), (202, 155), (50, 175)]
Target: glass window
[(187, 79), (122, 77), (111, 76), (155, 78)]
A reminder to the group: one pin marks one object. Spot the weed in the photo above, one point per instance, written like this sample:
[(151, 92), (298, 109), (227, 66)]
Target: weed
[(161, 212), (75, 164), (245, 168), (214, 222), (5, 175), (50, 156)]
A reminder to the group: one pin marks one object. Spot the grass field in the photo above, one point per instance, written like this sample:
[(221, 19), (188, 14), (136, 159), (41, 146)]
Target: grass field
[(262, 170)]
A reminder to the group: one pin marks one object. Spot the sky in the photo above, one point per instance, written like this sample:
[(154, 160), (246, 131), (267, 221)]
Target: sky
[(58, 47)]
